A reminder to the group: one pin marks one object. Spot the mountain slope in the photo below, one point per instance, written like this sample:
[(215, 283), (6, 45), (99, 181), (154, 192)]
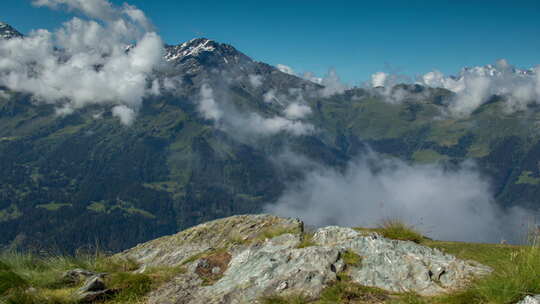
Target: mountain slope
[(85, 179)]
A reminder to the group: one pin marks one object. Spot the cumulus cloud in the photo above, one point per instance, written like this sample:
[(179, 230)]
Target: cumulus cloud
[(446, 204), (285, 69), (475, 86), (108, 59), (229, 119)]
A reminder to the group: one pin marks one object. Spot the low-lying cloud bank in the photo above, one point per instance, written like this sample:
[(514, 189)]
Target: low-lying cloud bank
[(446, 204), (106, 58)]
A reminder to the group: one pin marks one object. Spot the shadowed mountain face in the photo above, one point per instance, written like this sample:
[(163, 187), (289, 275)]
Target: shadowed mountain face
[(85, 179)]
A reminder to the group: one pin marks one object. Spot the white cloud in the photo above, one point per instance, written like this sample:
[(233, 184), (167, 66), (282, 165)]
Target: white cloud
[(312, 77), (332, 84), (125, 114), (378, 79), (99, 9), (207, 104), (270, 96), (258, 125), (444, 204), (285, 69), (229, 119), (86, 62), (296, 110), (255, 80)]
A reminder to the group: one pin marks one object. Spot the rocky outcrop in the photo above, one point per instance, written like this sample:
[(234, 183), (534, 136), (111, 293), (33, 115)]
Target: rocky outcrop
[(400, 266), (93, 290), (243, 258), (76, 276), (175, 249), (530, 300)]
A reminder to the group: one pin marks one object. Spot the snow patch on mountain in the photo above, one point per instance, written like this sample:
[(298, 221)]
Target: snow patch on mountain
[(193, 47)]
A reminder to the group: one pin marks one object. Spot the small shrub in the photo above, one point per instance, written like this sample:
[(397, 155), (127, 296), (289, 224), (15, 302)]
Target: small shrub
[(398, 230)]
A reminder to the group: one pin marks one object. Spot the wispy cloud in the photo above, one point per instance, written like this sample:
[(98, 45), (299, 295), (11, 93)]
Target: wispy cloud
[(230, 119)]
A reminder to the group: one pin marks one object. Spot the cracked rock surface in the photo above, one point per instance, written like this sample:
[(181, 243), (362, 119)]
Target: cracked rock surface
[(243, 258)]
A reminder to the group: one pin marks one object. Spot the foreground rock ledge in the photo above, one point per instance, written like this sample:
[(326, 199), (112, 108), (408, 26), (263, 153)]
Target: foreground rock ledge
[(243, 258)]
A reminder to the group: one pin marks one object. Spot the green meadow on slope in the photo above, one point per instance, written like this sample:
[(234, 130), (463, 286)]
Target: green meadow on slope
[(75, 176)]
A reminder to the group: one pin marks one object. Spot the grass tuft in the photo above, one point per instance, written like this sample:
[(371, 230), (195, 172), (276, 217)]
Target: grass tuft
[(345, 291), (351, 258), (398, 230), (290, 299), (307, 241), (131, 286)]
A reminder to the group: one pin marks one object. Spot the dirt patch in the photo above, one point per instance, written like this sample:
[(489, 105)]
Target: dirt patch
[(211, 268)]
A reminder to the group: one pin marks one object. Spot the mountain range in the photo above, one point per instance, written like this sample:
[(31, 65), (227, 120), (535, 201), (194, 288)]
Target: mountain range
[(85, 179)]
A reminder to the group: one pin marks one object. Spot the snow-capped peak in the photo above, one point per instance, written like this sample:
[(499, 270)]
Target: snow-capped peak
[(193, 47), (7, 32)]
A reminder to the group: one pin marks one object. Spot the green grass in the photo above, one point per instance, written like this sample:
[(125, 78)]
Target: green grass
[(398, 230), (53, 206), (10, 213), (291, 299), (97, 207), (20, 271), (428, 156), (307, 241), (345, 291), (132, 286), (517, 276), (516, 272), (526, 178), (272, 232), (350, 258)]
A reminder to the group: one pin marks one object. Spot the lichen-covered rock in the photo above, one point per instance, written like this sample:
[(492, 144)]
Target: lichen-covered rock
[(76, 276), (274, 267), (244, 258), (400, 266), (93, 290), (175, 249), (530, 300)]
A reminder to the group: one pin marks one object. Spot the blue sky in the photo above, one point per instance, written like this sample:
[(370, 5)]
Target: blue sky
[(357, 38)]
